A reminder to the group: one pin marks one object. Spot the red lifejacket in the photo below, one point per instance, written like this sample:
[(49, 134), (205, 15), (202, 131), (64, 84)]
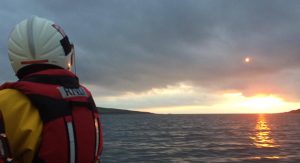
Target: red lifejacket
[(71, 125)]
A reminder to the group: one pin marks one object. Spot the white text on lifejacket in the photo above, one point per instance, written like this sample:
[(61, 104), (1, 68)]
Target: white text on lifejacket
[(72, 92)]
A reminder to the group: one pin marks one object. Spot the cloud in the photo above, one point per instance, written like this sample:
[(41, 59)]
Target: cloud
[(177, 95), (152, 45), (135, 46)]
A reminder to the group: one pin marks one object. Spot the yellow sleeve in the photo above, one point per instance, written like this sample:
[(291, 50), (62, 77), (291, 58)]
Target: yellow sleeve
[(23, 125)]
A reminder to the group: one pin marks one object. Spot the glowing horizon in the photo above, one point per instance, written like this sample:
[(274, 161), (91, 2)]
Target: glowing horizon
[(186, 99)]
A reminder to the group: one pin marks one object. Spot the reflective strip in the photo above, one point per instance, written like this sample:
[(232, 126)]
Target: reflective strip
[(97, 136), (2, 152), (72, 92), (5, 150), (71, 141)]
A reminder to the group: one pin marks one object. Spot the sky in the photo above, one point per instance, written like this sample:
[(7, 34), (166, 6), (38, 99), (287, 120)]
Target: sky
[(176, 56)]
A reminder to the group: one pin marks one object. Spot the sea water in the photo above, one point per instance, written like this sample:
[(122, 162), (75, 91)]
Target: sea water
[(261, 138)]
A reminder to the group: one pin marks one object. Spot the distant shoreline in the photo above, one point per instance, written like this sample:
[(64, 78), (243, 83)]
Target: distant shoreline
[(103, 110), (294, 111)]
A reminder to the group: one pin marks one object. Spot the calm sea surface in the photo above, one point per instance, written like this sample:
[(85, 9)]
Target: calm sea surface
[(201, 138)]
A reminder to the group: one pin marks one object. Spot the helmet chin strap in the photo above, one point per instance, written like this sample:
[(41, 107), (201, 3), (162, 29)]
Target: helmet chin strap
[(74, 62), (73, 59)]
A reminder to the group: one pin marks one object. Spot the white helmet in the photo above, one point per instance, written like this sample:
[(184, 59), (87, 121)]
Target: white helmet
[(39, 41)]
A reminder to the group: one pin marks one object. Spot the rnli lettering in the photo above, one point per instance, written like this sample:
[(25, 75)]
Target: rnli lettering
[(72, 92)]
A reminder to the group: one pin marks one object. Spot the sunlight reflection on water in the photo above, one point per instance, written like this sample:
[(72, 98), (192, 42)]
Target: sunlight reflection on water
[(263, 137)]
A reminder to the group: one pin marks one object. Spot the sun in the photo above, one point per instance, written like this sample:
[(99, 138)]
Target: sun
[(247, 60), (263, 103)]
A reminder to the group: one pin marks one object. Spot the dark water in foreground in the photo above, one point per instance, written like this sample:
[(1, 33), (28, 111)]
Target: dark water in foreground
[(201, 138)]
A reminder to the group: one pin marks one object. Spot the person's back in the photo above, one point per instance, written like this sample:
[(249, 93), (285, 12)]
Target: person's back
[(47, 116)]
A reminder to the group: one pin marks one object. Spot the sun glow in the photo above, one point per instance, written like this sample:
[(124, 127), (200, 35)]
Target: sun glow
[(263, 103), (260, 103)]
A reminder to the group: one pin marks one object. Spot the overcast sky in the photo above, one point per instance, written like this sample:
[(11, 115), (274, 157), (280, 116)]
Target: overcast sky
[(133, 53)]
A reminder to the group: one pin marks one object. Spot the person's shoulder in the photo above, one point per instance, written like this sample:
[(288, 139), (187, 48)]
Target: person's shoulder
[(11, 95), (9, 92)]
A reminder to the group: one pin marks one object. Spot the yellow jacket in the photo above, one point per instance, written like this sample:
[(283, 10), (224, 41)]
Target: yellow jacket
[(23, 125)]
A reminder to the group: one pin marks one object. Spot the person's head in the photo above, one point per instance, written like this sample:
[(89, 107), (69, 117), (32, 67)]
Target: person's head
[(38, 41)]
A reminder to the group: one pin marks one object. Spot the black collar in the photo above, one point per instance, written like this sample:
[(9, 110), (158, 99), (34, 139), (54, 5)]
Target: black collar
[(34, 68)]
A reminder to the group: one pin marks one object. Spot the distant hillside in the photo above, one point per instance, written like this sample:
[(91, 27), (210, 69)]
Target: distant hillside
[(102, 110), (295, 111)]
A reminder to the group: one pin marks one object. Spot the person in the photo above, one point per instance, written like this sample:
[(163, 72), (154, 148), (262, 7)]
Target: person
[(47, 115)]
